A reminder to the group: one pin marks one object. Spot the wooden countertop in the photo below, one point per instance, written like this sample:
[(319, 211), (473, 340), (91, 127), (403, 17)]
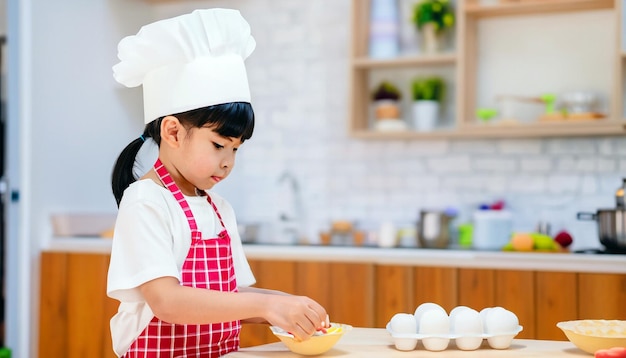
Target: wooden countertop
[(560, 262), (377, 342)]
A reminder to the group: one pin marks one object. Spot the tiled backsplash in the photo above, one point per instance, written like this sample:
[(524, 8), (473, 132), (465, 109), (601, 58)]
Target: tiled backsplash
[(298, 76)]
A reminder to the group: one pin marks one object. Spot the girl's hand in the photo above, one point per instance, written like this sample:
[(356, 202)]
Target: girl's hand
[(299, 315)]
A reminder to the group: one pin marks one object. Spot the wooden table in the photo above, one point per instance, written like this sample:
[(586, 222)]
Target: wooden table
[(376, 342)]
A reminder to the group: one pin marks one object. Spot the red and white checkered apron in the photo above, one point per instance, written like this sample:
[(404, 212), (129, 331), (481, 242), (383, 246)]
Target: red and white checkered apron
[(209, 265)]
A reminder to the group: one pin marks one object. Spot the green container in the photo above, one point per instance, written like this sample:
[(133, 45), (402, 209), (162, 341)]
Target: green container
[(465, 235), (5, 353)]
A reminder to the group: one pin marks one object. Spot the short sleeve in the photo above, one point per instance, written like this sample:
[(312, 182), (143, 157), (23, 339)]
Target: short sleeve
[(142, 249)]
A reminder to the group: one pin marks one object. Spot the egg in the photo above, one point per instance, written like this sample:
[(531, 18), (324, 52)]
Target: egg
[(404, 323), (435, 325), (502, 325), (458, 309), (427, 306), (467, 324), (483, 314), (500, 321)]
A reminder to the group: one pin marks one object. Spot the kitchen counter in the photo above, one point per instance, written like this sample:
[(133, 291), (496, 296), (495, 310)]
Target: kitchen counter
[(558, 262), (561, 262), (376, 342)]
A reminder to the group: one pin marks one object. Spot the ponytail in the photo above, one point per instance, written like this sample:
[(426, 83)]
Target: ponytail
[(234, 119), (122, 175)]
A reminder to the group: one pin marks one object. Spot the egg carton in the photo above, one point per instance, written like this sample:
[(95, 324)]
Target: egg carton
[(440, 342)]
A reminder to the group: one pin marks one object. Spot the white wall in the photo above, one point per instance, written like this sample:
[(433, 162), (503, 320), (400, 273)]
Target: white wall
[(77, 119), (81, 119), (298, 76)]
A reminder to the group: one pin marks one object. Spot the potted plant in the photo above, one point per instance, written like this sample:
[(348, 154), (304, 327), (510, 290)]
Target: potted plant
[(427, 94), (433, 18), (386, 99)]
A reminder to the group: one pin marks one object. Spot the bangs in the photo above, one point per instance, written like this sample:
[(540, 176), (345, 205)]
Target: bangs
[(234, 120)]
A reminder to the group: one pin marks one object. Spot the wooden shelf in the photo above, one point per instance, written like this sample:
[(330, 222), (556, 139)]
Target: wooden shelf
[(538, 129), (525, 7), (405, 61), (464, 60)]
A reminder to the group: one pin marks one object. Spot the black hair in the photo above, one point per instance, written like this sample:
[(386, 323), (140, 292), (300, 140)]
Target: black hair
[(235, 120)]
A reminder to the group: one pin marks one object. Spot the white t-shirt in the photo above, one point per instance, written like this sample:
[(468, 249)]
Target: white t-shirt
[(151, 240)]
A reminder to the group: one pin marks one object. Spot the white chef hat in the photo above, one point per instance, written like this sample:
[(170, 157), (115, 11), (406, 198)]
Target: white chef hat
[(187, 62)]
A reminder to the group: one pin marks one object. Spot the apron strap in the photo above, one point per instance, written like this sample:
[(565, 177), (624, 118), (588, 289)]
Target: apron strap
[(169, 183)]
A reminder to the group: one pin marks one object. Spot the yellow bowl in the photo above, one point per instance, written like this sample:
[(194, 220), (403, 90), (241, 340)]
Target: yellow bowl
[(317, 344), (591, 335)]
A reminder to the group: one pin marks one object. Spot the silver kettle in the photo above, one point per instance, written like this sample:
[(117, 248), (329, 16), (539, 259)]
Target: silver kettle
[(433, 229)]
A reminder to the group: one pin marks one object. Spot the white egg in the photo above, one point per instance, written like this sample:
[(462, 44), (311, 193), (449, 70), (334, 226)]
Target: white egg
[(483, 316), (466, 321), (457, 309), (469, 326), (424, 307), (502, 325), (500, 321), (403, 323), (435, 324)]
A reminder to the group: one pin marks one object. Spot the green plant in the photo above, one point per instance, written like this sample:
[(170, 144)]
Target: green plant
[(428, 88), (438, 12), (386, 90)]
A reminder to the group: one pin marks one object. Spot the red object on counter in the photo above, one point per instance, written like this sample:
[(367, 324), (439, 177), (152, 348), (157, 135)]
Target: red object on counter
[(564, 239), (615, 352), (498, 205)]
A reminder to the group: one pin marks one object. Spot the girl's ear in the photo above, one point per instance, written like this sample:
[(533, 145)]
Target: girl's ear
[(171, 131)]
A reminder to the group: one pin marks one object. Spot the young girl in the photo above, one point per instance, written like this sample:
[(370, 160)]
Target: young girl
[(177, 263)]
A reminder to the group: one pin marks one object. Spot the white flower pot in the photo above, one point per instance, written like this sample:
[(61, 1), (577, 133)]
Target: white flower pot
[(425, 115)]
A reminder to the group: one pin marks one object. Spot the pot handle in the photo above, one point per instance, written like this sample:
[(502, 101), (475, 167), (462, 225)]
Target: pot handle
[(587, 216)]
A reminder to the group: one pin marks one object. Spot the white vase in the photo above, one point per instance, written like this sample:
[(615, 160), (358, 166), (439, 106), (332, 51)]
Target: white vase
[(425, 115), (430, 38)]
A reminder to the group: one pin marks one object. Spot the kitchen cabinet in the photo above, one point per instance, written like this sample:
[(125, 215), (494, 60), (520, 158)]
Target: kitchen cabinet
[(74, 310), (462, 64), (342, 288), (539, 299)]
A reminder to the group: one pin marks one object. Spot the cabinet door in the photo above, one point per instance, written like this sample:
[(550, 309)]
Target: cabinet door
[(437, 285), (394, 292), (556, 300), (352, 292), (476, 288), (602, 296), (74, 309), (313, 281), (515, 291), (52, 306)]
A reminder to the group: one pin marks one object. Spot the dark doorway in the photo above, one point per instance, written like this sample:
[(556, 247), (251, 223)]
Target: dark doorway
[(3, 186)]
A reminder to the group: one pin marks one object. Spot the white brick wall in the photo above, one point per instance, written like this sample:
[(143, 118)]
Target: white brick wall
[(299, 78)]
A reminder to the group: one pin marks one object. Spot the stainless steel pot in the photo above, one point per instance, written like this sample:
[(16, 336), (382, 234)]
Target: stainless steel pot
[(433, 230), (611, 227)]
